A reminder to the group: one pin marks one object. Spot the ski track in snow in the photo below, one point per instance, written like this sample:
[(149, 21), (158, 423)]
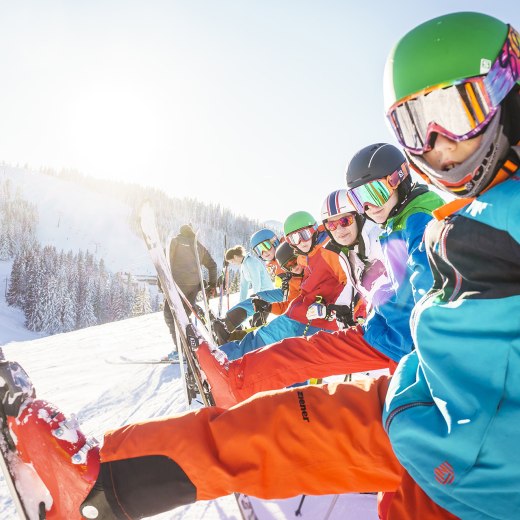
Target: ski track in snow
[(70, 371)]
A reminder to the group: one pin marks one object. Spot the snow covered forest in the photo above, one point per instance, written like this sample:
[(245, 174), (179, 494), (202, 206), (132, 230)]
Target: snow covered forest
[(18, 219), (63, 290), (60, 292), (216, 225)]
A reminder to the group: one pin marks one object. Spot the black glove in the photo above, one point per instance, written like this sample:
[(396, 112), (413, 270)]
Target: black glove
[(260, 305), (343, 314), (285, 278)]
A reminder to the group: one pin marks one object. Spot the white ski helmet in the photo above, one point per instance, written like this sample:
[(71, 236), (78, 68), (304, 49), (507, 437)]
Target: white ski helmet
[(336, 203)]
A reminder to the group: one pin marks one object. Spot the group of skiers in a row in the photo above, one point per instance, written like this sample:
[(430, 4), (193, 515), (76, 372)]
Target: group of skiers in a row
[(362, 272), (391, 277)]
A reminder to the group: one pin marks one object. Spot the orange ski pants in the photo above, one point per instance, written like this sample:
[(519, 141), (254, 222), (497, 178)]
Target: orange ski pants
[(297, 359), (313, 440)]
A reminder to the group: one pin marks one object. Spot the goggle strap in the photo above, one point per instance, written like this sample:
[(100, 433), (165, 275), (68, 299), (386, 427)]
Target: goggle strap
[(476, 104)]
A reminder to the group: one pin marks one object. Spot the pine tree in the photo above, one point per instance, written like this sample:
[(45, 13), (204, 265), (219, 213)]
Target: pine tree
[(15, 290)]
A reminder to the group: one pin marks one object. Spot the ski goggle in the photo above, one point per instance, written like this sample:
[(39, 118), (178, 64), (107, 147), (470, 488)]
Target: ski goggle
[(290, 264), (458, 110), (345, 221), (302, 235), (266, 245), (379, 191)]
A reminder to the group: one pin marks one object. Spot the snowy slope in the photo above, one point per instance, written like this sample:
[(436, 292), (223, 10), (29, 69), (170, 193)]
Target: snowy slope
[(72, 219), (70, 370)]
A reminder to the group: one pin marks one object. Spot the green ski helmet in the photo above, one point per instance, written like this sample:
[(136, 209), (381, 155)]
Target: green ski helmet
[(451, 76), (296, 222), (441, 51)]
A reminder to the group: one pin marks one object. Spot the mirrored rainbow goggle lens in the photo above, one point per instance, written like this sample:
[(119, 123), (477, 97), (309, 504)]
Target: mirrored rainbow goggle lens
[(460, 110), (266, 245), (375, 193), (344, 221), (379, 191)]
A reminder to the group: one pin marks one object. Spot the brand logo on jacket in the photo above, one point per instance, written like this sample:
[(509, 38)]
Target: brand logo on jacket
[(303, 407), (444, 473)]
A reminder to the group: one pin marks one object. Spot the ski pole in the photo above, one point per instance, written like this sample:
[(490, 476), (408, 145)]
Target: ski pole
[(298, 512), (223, 277)]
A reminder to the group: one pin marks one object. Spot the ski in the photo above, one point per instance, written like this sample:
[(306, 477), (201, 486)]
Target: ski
[(189, 338), (123, 360), (10, 463)]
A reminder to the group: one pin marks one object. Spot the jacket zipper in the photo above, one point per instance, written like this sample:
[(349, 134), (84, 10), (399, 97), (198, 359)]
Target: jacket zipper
[(402, 408)]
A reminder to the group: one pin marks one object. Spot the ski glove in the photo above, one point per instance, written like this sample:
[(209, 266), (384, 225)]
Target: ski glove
[(317, 310), (343, 314), (261, 305)]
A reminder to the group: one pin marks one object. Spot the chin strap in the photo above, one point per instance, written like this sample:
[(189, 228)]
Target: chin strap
[(508, 168)]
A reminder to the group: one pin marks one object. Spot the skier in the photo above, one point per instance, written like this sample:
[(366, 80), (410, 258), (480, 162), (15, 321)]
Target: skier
[(325, 277), (356, 238), (446, 443), (357, 241), (262, 244), (253, 274), (291, 277), (405, 209), (185, 270)]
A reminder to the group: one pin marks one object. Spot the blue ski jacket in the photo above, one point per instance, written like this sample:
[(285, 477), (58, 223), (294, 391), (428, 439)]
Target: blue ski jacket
[(453, 407), (388, 325), (253, 275)]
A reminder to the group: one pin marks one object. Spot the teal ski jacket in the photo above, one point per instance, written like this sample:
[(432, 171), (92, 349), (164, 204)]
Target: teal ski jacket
[(453, 407)]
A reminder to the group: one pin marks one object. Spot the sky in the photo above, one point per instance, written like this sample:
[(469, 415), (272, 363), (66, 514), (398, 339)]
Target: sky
[(254, 104)]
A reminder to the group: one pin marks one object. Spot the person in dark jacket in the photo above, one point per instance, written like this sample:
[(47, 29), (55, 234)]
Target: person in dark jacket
[(185, 271)]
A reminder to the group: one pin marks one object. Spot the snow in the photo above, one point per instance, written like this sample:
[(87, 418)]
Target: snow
[(70, 370), (30, 484)]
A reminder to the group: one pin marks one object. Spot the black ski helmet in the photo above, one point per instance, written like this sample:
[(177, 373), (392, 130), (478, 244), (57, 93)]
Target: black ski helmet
[(378, 161), (284, 253)]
